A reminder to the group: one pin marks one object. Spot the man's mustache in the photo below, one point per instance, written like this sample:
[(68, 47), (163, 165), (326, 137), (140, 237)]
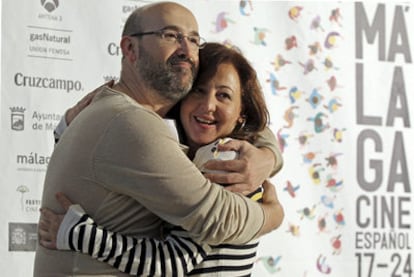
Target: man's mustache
[(177, 59)]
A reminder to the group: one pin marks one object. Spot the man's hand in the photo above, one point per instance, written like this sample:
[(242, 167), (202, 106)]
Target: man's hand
[(72, 112), (50, 221), (245, 174)]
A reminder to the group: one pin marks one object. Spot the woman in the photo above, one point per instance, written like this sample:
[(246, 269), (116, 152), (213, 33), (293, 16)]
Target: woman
[(226, 101)]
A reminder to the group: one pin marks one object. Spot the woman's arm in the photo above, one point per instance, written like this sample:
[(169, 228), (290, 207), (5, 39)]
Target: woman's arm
[(144, 256), (177, 254)]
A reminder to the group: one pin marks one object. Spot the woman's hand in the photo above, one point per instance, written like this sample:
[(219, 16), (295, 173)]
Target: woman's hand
[(49, 223), (272, 208)]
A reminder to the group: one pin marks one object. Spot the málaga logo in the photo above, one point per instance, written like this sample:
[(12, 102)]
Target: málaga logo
[(50, 5), (17, 118)]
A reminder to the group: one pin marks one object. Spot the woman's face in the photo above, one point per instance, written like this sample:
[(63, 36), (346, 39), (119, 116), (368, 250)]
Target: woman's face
[(212, 108)]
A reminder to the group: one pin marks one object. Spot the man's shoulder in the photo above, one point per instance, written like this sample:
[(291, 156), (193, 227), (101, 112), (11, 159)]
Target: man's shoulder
[(121, 114), (111, 101)]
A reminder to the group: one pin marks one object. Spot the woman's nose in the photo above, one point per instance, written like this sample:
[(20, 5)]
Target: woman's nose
[(208, 103)]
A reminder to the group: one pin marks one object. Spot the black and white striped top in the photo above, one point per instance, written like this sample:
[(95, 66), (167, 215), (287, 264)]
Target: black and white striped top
[(176, 255)]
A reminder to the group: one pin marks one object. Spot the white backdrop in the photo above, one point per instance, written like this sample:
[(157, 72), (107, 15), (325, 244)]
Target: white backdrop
[(338, 80)]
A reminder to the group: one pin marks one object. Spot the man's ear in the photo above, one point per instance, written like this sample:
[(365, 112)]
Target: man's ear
[(129, 51)]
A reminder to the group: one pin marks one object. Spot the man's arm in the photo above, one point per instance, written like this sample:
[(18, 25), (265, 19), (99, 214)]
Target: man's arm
[(175, 186), (151, 168), (245, 175), (267, 141), (255, 164)]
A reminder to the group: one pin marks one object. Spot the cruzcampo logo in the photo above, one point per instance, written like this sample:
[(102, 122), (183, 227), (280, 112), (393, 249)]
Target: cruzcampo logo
[(17, 118), (50, 5)]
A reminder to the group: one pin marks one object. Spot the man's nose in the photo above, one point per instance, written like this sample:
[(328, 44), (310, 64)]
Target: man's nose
[(186, 47)]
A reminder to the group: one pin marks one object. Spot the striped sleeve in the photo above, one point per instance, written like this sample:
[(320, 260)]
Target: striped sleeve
[(174, 256), (60, 128)]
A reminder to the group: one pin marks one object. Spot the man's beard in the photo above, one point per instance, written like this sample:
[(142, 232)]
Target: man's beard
[(164, 78)]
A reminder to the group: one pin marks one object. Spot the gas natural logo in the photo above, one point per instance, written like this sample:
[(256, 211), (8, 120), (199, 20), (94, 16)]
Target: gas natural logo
[(17, 118)]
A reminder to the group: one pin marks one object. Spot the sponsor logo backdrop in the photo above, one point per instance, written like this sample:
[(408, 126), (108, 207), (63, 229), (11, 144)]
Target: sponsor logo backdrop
[(338, 80)]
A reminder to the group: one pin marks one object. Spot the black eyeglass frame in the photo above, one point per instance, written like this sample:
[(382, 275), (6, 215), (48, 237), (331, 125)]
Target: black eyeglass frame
[(178, 38)]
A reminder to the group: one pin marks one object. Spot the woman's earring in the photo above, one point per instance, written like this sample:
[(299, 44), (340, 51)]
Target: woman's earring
[(242, 123)]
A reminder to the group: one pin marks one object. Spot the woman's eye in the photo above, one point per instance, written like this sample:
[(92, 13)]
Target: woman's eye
[(224, 95)]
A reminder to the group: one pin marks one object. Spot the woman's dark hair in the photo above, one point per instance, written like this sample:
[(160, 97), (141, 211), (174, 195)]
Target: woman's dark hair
[(254, 109)]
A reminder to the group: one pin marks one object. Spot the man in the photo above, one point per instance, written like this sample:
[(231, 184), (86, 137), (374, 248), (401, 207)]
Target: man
[(119, 161)]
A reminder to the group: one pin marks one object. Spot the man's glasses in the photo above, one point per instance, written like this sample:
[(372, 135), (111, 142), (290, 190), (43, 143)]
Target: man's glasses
[(173, 36)]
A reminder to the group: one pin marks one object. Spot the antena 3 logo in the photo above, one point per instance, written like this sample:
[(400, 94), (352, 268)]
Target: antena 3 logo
[(50, 5)]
